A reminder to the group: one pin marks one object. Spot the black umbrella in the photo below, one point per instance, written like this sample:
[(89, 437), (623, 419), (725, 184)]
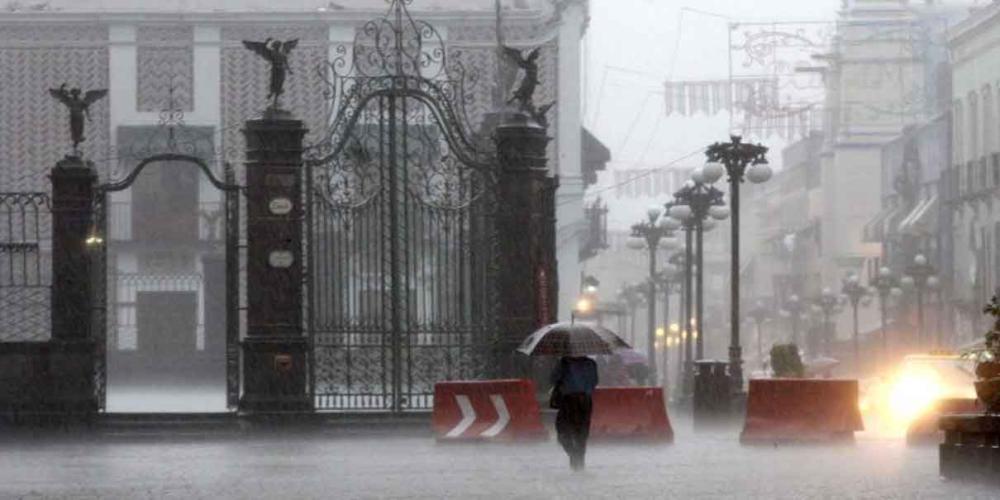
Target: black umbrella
[(565, 339)]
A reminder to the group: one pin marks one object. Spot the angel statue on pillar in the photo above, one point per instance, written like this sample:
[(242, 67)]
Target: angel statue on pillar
[(275, 52), (78, 103), (524, 95)]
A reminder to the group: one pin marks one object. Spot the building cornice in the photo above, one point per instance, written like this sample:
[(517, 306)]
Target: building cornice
[(269, 17), (978, 21)]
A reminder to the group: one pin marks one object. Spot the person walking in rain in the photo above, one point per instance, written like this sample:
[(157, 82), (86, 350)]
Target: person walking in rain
[(573, 383)]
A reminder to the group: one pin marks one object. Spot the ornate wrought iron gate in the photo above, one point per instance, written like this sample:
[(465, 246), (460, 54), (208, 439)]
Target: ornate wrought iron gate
[(234, 196), (401, 226)]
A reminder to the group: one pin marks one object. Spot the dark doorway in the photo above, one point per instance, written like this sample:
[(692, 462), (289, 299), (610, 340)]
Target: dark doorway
[(167, 327), (169, 369)]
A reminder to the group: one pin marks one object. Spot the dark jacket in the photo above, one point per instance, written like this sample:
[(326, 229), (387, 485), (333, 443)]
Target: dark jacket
[(575, 375)]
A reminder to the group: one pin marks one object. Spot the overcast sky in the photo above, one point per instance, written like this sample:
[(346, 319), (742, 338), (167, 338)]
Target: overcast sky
[(633, 46)]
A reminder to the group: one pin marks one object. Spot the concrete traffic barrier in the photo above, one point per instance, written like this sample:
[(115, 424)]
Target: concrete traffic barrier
[(925, 429), (801, 410), (637, 413), (489, 410)]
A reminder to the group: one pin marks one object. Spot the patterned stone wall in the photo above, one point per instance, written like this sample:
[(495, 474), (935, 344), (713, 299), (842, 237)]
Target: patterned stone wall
[(34, 128), (165, 57)]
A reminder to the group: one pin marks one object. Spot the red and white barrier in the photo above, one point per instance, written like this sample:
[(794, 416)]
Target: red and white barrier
[(810, 410), (490, 410), (630, 413)]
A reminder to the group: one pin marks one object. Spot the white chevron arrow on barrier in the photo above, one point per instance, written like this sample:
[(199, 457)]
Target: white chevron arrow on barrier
[(469, 416), (502, 413)]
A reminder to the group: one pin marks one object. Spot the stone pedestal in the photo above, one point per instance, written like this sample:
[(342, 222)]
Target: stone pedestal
[(69, 359), (73, 186), (971, 447), (274, 352), (528, 274)]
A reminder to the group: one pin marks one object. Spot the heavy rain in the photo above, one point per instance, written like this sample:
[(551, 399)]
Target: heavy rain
[(427, 249)]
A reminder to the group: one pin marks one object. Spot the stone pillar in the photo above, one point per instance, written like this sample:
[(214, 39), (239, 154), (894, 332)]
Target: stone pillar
[(275, 350), (528, 278), (71, 352)]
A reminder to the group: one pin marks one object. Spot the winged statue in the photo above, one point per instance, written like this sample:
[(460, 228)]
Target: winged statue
[(78, 103), (276, 53), (524, 95)]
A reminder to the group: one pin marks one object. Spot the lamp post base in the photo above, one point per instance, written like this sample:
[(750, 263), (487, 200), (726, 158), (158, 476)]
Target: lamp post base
[(736, 367)]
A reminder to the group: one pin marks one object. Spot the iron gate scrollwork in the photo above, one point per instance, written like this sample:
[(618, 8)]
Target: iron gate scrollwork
[(402, 233)]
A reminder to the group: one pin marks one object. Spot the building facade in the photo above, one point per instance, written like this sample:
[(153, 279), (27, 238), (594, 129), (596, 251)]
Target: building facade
[(179, 76), (972, 233)]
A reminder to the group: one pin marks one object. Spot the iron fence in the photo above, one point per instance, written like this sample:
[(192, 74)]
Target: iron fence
[(25, 266)]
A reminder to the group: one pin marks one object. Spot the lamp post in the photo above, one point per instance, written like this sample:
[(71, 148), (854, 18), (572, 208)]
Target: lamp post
[(697, 205), (829, 304), (630, 295), (920, 276), (759, 313), (650, 234), (794, 307), (666, 281), (886, 285), (741, 162), (856, 294)]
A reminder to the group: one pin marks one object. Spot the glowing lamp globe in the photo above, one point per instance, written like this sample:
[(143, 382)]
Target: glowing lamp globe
[(636, 243), (712, 172), (719, 212), (759, 173), (697, 176), (680, 212)]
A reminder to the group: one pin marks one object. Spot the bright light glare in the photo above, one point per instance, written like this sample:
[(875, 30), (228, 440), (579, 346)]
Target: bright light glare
[(912, 393), (583, 306)]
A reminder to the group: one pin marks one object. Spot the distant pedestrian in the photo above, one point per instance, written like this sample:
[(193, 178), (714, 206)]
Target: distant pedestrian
[(573, 382)]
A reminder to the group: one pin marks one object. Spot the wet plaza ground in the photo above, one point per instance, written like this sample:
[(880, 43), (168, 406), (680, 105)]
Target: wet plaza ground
[(384, 463)]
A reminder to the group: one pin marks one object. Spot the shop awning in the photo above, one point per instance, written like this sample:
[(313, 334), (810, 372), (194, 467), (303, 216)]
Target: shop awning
[(876, 229), (921, 220)]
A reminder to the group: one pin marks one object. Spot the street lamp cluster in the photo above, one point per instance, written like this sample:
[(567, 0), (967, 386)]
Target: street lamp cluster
[(829, 305), (856, 294), (920, 275), (694, 209), (741, 162), (697, 206), (759, 313), (651, 234)]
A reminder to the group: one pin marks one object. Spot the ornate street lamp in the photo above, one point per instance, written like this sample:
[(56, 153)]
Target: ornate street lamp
[(703, 203), (667, 281), (829, 304), (886, 286), (759, 313), (632, 297), (920, 276), (651, 234), (696, 206), (793, 310), (857, 294), (741, 162)]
